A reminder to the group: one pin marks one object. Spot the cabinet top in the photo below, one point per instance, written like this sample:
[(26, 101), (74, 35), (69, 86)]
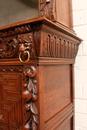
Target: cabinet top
[(38, 37), (18, 26)]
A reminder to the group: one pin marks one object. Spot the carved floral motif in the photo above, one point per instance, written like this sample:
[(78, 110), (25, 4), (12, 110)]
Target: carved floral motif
[(30, 97), (11, 47), (8, 47), (15, 30)]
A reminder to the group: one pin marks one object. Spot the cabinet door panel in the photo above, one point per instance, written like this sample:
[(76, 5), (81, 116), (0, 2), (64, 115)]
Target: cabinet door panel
[(10, 100)]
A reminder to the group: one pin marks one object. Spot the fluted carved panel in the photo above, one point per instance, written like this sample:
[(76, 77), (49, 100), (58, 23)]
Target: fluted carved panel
[(58, 46)]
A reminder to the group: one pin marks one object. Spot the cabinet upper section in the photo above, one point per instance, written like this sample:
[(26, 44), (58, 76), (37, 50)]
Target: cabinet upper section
[(17, 10), (57, 11)]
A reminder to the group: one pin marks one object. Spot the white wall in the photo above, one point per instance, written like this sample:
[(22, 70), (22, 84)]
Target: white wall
[(80, 26)]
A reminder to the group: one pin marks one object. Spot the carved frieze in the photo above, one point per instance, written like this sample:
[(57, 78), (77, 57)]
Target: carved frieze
[(40, 39), (59, 46), (12, 47), (55, 44), (15, 30), (8, 47)]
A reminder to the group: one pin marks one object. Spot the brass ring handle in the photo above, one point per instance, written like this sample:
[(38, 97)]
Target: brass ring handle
[(1, 117), (23, 53)]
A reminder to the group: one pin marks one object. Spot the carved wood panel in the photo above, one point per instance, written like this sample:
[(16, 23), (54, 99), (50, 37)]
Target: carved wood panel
[(47, 8), (10, 47), (59, 46), (18, 96), (55, 45)]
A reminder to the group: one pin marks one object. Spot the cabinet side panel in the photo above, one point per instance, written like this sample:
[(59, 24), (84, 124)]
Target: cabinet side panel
[(57, 95)]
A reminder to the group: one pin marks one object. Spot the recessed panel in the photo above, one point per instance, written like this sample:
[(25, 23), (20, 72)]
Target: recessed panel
[(57, 95)]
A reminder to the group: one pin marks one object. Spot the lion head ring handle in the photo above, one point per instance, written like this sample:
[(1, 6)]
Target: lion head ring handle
[(1, 117), (24, 52)]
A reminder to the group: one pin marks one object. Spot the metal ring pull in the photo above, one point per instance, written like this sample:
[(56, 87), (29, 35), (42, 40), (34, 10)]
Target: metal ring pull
[(1, 117), (22, 56)]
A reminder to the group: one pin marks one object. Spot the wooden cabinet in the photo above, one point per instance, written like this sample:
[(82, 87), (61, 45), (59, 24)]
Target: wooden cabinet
[(57, 11), (36, 70), (36, 76)]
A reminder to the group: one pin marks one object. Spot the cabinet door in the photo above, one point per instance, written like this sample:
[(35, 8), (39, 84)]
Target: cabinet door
[(10, 101)]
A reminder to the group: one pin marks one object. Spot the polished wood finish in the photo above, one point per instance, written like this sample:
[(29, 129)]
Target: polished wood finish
[(36, 75), (57, 11)]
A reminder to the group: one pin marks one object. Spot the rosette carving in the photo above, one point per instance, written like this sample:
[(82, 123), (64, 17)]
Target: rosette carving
[(30, 97)]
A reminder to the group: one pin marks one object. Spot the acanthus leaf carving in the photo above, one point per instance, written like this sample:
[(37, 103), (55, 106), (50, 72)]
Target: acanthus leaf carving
[(8, 47), (15, 30), (17, 46)]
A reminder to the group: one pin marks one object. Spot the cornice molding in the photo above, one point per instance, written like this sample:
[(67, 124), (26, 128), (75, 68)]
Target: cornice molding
[(38, 38)]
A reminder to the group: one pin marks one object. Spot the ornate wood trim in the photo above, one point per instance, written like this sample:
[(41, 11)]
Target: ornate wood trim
[(39, 38), (30, 93), (46, 8), (11, 68), (11, 47), (55, 44), (15, 30), (8, 47), (54, 61)]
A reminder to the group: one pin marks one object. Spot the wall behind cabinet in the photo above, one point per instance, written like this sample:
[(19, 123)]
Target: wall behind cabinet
[(80, 27)]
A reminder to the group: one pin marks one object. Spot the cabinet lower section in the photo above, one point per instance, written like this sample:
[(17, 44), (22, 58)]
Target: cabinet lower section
[(36, 97)]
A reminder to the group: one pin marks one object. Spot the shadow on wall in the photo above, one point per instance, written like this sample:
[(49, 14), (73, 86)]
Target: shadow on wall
[(31, 3)]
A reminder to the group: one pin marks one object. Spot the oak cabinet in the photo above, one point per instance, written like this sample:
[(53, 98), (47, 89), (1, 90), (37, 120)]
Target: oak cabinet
[(36, 71)]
